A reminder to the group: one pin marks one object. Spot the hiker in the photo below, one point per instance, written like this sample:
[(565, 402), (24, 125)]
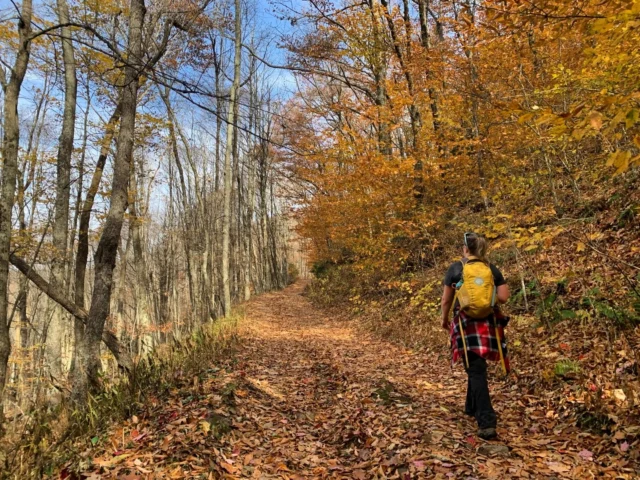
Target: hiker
[(476, 287)]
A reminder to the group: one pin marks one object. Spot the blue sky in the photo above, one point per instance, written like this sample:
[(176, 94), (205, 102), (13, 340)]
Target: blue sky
[(268, 19)]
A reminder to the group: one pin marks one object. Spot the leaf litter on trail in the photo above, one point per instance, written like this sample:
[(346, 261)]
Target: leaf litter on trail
[(309, 397)]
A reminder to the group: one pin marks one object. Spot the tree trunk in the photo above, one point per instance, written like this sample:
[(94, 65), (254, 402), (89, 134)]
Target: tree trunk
[(85, 216), (143, 317), (58, 325), (82, 254), (10, 141), (248, 220), (226, 225), (106, 253), (423, 8), (25, 180), (184, 193), (78, 326)]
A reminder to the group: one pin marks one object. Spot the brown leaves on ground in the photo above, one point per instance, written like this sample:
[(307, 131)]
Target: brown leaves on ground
[(309, 397)]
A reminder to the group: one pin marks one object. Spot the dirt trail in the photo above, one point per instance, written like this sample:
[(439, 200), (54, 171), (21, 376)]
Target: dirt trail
[(309, 397), (326, 400)]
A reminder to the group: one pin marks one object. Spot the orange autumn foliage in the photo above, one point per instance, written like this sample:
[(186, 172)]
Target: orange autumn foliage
[(514, 119)]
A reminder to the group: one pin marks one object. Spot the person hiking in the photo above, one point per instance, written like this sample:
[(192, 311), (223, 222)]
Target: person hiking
[(474, 288)]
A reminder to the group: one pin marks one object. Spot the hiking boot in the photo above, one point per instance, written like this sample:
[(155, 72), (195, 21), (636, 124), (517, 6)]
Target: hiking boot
[(487, 433)]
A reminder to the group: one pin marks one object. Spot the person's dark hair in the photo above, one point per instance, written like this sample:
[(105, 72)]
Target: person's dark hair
[(477, 245)]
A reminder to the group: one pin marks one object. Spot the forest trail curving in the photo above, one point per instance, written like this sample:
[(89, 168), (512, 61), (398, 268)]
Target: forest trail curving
[(310, 397)]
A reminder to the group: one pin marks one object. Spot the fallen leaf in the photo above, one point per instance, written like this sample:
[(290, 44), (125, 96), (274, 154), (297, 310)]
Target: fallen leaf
[(359, 474), (112, 461), (205, 426), (228, 467), (586, 455), (619, 395), (558, 467), (595, 120)]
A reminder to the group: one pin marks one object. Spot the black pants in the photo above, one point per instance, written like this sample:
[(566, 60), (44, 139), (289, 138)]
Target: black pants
[(478, 401)]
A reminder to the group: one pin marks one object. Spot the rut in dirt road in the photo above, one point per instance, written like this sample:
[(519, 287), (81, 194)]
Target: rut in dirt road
[(324, 400)]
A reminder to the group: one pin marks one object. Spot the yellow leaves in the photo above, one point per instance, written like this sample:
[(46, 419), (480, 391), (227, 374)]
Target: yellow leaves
[(205, 426), (558, 129), (578, 133), (581, 247), (546, 118), (621, 160), (525, 118), (499, 227), (617, 119), (105, 7)]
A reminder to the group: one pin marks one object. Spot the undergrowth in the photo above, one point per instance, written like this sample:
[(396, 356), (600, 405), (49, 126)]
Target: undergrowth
[(44, 439)]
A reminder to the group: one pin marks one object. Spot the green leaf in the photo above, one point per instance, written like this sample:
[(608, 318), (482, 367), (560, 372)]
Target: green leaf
[(94, 441), (567, 314), (632, 117)]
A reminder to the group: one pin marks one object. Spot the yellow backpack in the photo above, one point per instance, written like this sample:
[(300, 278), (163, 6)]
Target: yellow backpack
[(477, 294)]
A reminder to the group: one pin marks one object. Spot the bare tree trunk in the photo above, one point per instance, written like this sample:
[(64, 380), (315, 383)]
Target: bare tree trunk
[(248, 220), (25, 180), (236, 209), (217, 61), (78, 326), (82, 254), (264, 215), (226, 225), (143, 318), (85, 215), (184, 194), (10, 141), (54, 347), (105, 258)]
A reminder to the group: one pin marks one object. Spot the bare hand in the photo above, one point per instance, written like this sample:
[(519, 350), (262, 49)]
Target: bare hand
[(446, 324)]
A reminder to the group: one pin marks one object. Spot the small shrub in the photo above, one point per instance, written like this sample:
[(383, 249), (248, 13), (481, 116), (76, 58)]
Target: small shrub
[(292, 273)]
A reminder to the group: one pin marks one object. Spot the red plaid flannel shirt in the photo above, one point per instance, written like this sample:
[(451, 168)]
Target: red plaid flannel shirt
[(480, 336)]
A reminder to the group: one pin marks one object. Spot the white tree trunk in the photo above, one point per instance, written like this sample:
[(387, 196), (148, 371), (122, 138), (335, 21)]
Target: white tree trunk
[(58, 327), (226, 225)]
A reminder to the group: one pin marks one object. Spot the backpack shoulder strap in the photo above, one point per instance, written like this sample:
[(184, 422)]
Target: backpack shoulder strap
[(463, 262)]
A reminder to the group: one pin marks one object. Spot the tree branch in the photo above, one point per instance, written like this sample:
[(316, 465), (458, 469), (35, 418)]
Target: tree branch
[(110, 340)]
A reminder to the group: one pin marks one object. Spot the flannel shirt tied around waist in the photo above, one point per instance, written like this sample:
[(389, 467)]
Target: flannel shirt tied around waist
[(480, 336)]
